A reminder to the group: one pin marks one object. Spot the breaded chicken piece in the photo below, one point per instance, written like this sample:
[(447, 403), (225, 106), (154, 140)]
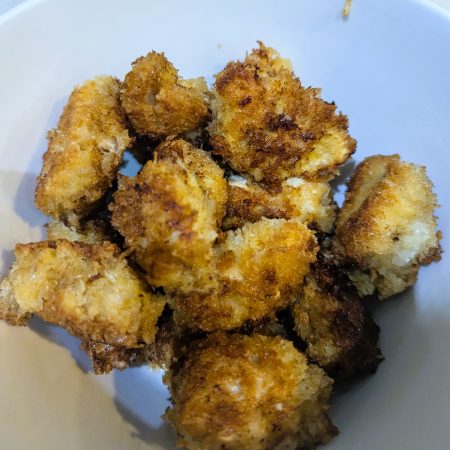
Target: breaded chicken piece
[(267, 125), (209, 175), (168, 221), (158, 102), (330, 317), (260, 268), (88, 289), (84, 152), (387, 228), (89, 232), (309, 201), (238, 392)]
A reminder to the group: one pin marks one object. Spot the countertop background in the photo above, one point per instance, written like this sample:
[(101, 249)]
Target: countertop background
[(6, 5)]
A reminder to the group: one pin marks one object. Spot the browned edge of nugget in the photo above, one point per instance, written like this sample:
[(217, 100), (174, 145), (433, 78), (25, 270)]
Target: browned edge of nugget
[(350, 323)]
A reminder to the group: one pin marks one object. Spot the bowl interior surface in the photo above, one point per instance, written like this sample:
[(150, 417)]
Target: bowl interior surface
[(387, 67)]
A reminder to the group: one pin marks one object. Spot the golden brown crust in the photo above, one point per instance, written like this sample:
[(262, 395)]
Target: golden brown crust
[(249, 393), (167, 220), (269, 126), (88, 289), (310, 202), (330, 317), (386, 228), (158, 103), (209, 175), (260, 268), (10, 310), (84, 152)]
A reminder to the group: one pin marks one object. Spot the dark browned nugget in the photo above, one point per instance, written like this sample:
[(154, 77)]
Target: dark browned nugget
[(338, 329)]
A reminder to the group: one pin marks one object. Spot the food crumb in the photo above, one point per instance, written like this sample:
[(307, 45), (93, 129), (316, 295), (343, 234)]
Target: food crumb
[(346, 9)]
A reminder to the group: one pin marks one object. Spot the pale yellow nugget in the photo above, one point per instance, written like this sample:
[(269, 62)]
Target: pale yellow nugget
[(84, 151), (88, 289), (387, 229)]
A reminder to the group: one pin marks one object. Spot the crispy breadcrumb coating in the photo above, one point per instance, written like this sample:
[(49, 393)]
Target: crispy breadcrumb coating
[(330, 317), (158, 102), (249, 393), (89, 232), (84, 152), (209, 175), (169, 222), (266, 124), (160, 353), (387, 228), (309, 201), (88, 289), (260, 268)]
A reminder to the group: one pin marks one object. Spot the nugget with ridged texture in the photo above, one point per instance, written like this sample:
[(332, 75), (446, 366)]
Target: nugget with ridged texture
[(158, 102), (309, 201), (84, 151), (331, 319), (168, 221), (88, 289), (266, 124), (387, 229), (249, 393), (209, 175), (259, 270)]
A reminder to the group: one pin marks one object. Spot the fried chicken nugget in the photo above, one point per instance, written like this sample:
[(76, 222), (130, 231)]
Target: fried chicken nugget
[(249, 393), (209, 175), (267, 125), (386, 228), (309, 201), (84, 152), (88, 289), (260, 268), (158, 103), (169, 222), (330, 317)]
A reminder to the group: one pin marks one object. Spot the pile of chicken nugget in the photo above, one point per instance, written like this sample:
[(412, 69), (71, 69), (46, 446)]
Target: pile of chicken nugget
[(225, 260)]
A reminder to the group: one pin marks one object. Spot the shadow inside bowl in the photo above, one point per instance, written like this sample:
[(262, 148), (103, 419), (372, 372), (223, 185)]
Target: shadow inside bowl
[(24, 197), (141, 399), (405, 343), (59, 336)]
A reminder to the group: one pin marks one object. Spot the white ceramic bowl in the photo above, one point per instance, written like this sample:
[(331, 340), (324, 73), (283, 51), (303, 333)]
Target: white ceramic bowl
[(387, 68)]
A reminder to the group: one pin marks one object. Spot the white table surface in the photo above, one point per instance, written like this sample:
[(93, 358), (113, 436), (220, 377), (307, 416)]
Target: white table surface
[(6, 5)]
